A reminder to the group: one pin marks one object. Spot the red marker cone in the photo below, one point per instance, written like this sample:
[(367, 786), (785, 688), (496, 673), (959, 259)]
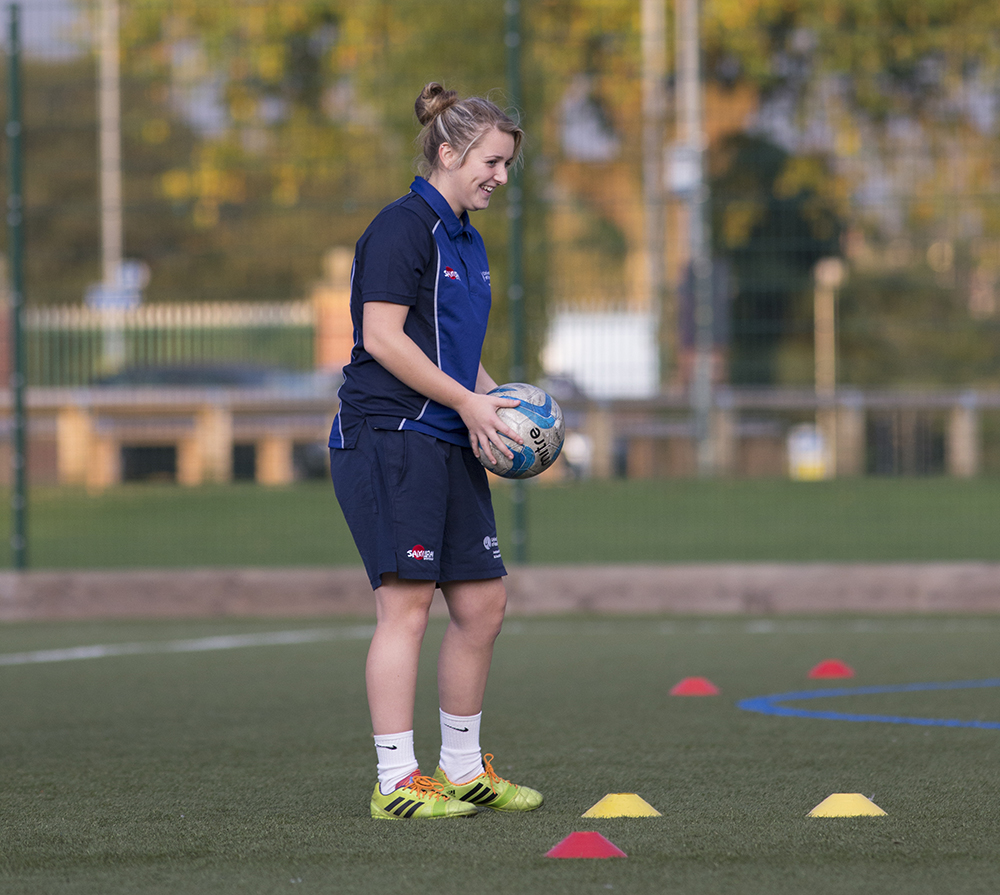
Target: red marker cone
[(829, 668), (694, 686), (585, 845)]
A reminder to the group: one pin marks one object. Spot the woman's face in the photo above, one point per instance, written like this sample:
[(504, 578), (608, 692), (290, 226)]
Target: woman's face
[(468, 187)]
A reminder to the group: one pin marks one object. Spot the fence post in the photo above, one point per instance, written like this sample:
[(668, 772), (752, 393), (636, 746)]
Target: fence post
[(600, 428), (963, 438), (274, 464), (850, 435), (214, 425), (74, 439), (829, 276), (331, 298), (723, 435), (104, 463)]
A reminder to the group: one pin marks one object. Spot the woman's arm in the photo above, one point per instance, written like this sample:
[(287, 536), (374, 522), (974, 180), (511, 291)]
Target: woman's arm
[(484, 382), (385, 340)]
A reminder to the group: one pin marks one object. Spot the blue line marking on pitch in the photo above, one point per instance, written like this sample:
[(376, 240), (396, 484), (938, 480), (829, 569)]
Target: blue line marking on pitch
[(770, 705)]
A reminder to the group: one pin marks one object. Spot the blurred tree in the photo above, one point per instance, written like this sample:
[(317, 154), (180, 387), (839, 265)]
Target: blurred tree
[(939, 344), (260, 133), (62, 253), (287, 163), (241, 168), (894, 56), (587, 67), (774, 216), (901, 99)]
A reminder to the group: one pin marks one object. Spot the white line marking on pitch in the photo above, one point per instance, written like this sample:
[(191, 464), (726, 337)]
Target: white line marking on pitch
[(201, 644), (364, 632)]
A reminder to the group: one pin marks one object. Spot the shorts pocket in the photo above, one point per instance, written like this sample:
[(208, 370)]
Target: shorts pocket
[(390, 456), (353, 477)]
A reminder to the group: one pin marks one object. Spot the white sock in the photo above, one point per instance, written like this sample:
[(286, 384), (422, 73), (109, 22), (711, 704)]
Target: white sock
[(461, 758), (396, 760)]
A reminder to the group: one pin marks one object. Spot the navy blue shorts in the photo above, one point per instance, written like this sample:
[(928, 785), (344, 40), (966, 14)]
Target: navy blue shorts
[(417, 506)]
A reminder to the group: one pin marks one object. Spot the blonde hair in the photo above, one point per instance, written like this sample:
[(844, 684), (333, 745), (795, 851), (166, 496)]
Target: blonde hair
[(460, 123)]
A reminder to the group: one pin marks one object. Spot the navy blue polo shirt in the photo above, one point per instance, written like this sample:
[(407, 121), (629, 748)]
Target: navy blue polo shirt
[(418, 253)]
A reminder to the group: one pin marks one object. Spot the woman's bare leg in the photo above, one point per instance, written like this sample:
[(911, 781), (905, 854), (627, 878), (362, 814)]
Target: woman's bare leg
[(401, 610), (476, 610)]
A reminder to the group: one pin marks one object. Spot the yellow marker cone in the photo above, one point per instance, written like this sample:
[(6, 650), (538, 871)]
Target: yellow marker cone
[(621, 804), (845, 804)]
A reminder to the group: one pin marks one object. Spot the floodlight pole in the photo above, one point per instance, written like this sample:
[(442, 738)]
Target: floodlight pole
[(15, 224), (654, 108), (515, 269), (110, 147), (692, 136), (109, 116)]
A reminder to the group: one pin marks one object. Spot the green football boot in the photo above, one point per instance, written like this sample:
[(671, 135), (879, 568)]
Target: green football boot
[(489, 790), (417, 797)]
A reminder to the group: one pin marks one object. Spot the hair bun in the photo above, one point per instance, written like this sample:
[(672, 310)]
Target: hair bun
[(433, 100)]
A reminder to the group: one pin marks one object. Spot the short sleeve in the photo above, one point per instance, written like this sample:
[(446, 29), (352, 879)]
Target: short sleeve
[(397, 250)]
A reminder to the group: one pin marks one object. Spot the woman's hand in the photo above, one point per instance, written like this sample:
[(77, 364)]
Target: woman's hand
[(479, 413), (386, 341)]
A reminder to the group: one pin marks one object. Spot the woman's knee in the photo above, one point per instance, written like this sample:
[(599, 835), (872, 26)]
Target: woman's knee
[(477, 606), (404, 605)]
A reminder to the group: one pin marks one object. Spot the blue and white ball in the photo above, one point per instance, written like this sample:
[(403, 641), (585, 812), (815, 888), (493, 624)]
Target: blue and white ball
[(539, 421)]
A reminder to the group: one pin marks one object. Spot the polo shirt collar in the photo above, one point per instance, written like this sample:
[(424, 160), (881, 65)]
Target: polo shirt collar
[(454, 225)]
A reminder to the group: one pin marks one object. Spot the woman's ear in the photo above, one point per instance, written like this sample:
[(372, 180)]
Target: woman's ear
[(447, 156)]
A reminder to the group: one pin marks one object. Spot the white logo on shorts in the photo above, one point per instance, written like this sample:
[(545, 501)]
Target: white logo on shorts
[(420, 552)]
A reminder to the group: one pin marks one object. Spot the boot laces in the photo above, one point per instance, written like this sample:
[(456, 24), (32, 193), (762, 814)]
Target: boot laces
[(495, 778), (424, 787)]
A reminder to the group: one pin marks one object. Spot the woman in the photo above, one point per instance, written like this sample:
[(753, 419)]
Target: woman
[(414, 416)]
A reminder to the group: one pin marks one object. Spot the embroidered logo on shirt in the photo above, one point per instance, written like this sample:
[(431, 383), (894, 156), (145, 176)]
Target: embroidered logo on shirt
[(451, 273), (486, 277)]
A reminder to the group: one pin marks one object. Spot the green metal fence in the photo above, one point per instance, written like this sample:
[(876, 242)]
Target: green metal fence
[(257, 135), (842, 164), (75, 345)]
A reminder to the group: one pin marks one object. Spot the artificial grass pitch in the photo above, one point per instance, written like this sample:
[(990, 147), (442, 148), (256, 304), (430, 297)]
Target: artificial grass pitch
[(590, 521), (172, 763)]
